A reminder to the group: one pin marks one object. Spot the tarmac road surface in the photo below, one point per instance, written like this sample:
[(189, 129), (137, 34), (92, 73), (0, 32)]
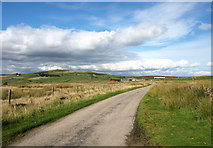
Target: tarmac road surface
[(106, 123)]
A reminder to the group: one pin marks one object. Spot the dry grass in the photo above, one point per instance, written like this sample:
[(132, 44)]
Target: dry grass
[(37, 78), (185, 94), (69, 71), (30, 98), (174, 113)]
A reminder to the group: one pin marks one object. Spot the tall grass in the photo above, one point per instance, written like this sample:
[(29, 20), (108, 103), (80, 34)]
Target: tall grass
[(185, 94), (39, 90), (29, 99), (174, 113), (26, 113)]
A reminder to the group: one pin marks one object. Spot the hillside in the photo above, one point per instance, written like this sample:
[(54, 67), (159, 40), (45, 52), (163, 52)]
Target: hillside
[(78, 76), (58, 76), (175, 77)]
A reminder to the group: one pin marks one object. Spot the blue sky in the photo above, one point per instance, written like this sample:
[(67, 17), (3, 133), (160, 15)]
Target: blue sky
[(145, 38)]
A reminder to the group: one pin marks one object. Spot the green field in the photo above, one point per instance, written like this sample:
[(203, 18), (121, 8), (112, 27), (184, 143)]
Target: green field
[(58, 76)]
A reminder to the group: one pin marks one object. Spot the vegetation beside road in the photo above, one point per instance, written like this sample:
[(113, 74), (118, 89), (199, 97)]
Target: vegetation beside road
[(31, 110), (174, 113), (43, 97)]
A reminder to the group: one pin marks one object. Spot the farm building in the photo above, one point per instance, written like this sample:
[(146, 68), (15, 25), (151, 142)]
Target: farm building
[(159, 77), (133, 79), (114, 80), (129, 79), (124, 80), (111, 81)]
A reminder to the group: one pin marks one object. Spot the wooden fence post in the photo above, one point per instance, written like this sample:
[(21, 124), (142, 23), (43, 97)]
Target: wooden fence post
[(9, 96), (53, 90)]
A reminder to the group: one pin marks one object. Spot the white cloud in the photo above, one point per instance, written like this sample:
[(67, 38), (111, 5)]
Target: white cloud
[(24, 45), (204, 26), (210, 64), (173, 16), (147, 67), (45, 68), (136, 35), (164, 12), (201, 73), (146, 64), (195, 64), (25, 39)]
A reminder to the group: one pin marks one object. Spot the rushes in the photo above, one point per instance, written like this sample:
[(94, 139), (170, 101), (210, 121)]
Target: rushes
[(24, 92), (185, 94)]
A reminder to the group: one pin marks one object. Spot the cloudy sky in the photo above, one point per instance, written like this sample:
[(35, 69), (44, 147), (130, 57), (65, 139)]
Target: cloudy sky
[(117, 38)]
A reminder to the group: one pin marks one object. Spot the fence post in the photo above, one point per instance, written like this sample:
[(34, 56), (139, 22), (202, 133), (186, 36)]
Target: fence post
[(53, 90), (77, 88), (9, 96)]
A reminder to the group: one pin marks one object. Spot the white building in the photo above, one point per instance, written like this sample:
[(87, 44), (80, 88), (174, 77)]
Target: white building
[(159, 77)]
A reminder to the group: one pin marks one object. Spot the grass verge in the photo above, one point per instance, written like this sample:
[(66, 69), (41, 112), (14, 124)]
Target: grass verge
[(156, 125), (49, 113)]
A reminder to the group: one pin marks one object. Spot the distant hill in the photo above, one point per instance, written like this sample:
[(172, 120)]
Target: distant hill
[(58, 76)]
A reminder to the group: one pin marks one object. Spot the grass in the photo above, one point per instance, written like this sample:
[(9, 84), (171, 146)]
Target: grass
[(58, 76), (48, 113), (191, 78), (173, 115), (67, 76), (25, 93), (28, 98)]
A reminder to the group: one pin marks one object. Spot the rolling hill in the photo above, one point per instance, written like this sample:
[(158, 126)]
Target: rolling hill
[(78, 76), (58, 76)]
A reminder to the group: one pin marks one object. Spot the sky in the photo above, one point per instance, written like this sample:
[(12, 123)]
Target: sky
[(121, 38)]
